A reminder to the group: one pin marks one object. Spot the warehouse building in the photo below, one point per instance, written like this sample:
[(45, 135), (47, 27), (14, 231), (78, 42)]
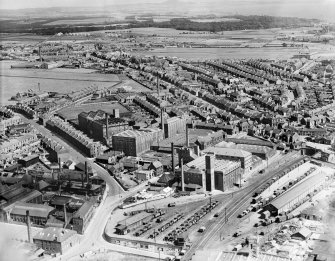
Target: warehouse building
[(243, 156), (296, 194), (39, 213), (173, 126), (134, 142), (56, 240), (83, 216), (210, 172)]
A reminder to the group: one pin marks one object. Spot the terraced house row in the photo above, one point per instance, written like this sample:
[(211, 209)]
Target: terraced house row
[(78, 138)]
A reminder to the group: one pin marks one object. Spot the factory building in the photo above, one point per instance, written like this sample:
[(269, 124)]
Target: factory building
[(134, 142), (173, 126), (210, 172), (100, 125), (83, 216), (56, 240), (243, 156), (39, 213), (296, 194)]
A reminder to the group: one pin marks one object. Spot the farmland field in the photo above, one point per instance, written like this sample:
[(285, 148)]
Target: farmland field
[(96, 20)]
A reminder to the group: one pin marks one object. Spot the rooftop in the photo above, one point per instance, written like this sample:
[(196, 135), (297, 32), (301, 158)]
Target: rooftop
[(228, 152), (35, 210), (54, 234), (219, 164)]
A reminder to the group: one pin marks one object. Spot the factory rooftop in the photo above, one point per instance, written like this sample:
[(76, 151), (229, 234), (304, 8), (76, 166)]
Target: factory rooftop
[(54, 234), (219, 164), (228, 152), (36, 210)]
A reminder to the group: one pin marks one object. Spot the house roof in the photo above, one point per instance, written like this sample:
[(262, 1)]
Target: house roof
[(165, 178)]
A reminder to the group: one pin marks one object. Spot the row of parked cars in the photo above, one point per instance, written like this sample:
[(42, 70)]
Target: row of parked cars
[(158, 214), (192, 220), (166, 225)]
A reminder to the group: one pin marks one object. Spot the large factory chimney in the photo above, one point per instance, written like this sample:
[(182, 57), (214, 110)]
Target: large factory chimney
[(65, 215), (210, 170), (172, 155), (107, 137), (182, 175), (86, 172), (162, 122), (82, 179), (28, 227), (187, 138), (60, 164)]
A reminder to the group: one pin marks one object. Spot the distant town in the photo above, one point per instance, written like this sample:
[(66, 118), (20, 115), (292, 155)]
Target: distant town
[(148, 143)]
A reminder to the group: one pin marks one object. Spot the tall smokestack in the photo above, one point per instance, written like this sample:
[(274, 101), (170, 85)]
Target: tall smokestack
[(107, 137), (182, 175), (162, 122), (210, 170), (172, 154), (86, 172), (187, 138), (28, 227), (59, 165), (65, 215), (82, 179)]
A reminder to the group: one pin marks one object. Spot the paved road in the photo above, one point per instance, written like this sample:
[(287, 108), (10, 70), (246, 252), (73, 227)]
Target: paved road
[(77, 156), (237, 204)]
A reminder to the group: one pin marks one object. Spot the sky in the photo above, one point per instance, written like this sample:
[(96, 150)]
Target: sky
[(301, 8)]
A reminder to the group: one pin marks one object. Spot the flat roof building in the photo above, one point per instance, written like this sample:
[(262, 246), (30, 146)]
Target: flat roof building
[(134, 142), (243, 156)]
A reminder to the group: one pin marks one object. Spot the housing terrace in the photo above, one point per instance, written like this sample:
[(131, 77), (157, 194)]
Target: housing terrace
[(79, 138)]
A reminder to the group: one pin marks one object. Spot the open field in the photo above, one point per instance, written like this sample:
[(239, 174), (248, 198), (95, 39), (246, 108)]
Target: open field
[(63, 81), (96, 20)]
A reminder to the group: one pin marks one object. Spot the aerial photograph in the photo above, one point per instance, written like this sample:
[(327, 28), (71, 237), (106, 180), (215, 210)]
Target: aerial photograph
[(161, 130)]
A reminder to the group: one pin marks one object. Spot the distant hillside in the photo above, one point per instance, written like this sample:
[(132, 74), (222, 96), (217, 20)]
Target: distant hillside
[(49, 26)]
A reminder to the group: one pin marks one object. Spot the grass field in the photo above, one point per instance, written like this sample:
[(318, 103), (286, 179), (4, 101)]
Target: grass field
[(96, 20)]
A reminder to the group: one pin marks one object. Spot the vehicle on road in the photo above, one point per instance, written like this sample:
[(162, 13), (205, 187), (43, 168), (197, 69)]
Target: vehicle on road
[(202, 229), (173, 204)]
